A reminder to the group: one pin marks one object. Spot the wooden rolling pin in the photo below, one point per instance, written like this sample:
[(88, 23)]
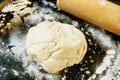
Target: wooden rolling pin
[(99, 12), (3, 3)]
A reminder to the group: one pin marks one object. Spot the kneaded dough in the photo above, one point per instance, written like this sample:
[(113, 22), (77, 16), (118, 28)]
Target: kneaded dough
[(55, 45)]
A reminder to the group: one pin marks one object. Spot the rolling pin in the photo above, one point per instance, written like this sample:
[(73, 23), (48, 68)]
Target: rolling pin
[(102, 13), (3, 3)]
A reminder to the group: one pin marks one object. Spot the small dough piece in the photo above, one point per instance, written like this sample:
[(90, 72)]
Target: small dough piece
[(55, 45)]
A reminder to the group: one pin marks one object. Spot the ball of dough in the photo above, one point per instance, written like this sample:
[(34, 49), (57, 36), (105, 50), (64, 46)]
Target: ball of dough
[(55, 45)]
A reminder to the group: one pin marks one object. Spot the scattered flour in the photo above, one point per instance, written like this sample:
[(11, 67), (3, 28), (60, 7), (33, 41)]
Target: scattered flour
[(104, 39), (15, 72), (109, 68), (109, 76), (75, 23), (112, 52)]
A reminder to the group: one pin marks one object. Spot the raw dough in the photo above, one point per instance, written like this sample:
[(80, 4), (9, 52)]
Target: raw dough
[(55, 45)]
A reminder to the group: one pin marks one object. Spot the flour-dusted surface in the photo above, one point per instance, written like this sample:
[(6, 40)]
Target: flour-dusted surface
[(15, 14), (101, 61), (108, 68)]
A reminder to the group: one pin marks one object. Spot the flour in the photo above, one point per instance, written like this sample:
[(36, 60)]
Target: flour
[(110, 64)]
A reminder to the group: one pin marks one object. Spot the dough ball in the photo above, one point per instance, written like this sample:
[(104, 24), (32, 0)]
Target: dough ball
[(55, 45)]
